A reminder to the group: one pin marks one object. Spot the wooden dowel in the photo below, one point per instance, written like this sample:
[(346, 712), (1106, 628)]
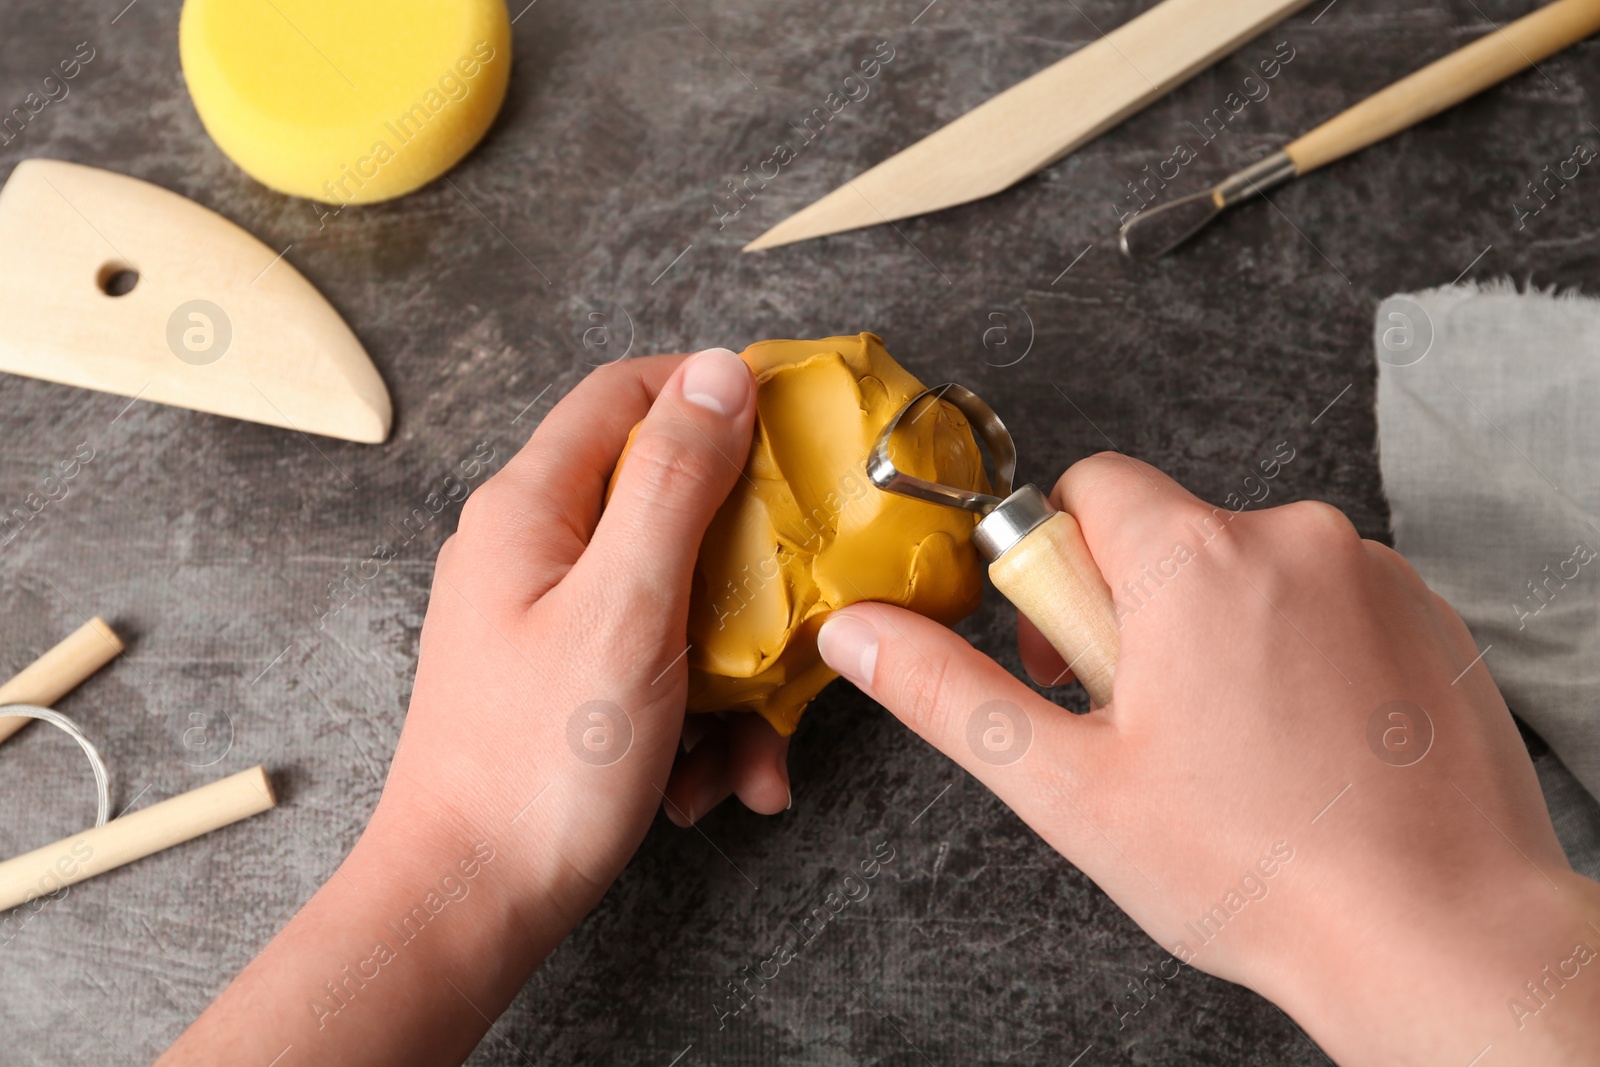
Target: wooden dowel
[(133, 837), (59, 671)]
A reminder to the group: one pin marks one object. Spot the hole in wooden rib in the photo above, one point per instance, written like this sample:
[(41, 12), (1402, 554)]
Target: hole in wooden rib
[(116, 279)]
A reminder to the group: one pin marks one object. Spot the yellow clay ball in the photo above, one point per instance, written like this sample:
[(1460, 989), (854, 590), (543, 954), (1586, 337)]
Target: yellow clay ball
[(804, 532), (346, 101)]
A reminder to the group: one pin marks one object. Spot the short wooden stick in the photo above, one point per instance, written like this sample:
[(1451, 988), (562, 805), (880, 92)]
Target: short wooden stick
[(59, 671), (133, 837)]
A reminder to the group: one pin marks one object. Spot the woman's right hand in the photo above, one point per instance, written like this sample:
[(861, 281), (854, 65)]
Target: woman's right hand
[(1306, 781)]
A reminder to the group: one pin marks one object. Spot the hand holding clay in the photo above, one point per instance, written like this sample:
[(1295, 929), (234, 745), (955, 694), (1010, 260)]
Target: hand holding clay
[(1306, 781), (554, 672), (547, 712), (553, 660), (804, 532)]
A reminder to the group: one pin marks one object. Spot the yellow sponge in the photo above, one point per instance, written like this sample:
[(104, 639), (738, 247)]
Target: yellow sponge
[(346, 101)]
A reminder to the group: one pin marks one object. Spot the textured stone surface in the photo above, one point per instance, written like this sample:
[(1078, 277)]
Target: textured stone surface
[(210, 542)]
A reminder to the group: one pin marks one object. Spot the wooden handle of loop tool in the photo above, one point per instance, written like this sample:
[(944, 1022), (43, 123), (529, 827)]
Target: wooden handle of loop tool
[(1042, 565)]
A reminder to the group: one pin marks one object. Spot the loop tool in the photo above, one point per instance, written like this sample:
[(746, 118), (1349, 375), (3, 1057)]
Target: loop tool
[(1036, 553)]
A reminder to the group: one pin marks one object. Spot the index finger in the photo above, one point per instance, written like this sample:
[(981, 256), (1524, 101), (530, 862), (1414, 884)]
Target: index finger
[(1128, 511), (526, 526)]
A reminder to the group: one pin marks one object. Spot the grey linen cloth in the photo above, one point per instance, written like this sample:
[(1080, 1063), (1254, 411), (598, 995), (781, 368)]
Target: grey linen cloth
[(1488, 435)]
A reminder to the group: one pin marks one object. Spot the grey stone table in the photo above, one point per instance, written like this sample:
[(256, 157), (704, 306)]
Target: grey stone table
[(599, 200)]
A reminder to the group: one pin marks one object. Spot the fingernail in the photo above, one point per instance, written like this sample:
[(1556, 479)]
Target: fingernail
[(717, 380), (850, 647), (790, 805), (674, 816), (694, 731), (706, 796)]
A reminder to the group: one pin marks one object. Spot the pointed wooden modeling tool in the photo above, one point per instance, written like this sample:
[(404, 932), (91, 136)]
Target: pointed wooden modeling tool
[(111, 283), (1040, 120)]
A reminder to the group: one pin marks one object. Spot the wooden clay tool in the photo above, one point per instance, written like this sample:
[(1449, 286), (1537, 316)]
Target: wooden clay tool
[(131, 837), (1036, 554), (59, 671), (1464, 73), (111, 283), (1041, 119)]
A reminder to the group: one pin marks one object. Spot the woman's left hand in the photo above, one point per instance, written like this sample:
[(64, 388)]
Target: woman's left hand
[(547, 713), (549, 702)]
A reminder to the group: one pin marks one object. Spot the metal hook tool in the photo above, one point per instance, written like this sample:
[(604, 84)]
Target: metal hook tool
[(1489, 60), (1036, 553)]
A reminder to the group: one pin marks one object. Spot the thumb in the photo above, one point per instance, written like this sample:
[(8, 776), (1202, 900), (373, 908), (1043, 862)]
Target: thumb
[(683, 459), (958, 699)]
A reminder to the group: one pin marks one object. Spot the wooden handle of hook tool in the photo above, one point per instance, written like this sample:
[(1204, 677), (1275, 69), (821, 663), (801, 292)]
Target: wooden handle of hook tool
[(1053, 580)]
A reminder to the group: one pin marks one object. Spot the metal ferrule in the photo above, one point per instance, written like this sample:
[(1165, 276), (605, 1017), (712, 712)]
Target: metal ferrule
[(1015, 518), (1253, 180)]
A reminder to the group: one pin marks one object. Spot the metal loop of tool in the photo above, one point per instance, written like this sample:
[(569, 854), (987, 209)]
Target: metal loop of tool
[(1158, 230), (102, 780), (989, 429)]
